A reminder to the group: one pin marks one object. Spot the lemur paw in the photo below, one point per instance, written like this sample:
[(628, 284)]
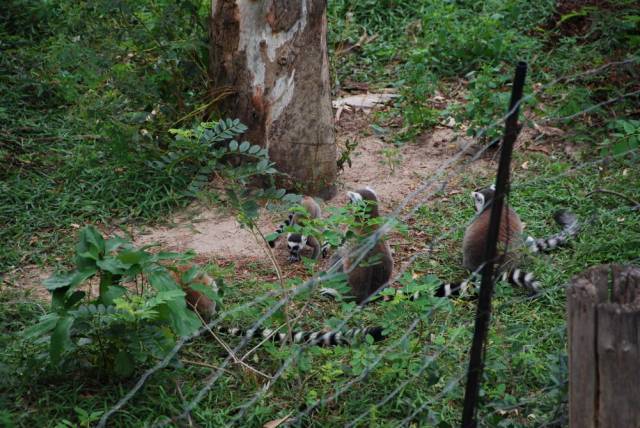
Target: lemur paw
[(293, 258), (329, 292)]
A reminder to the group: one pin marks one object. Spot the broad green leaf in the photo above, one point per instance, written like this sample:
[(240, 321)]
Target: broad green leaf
[(182, 320), (206, 290), (262, 165), (114, 243), (73, 299), (70, 280), (164, 297), (233, 145), (190, 275), (61, 339), (162, 281), (91, 241), (56, 281), (123, 364), (132, 257), (244, 146), (112, 292), (254, 149), (272, 236), (113, 265), (628, 127), (43, 326)]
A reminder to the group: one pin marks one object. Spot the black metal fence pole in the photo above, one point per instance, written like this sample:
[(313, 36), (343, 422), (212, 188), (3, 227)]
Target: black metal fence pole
[(483, 312)]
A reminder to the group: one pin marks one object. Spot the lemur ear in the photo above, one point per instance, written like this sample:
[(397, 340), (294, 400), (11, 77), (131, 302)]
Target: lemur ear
[(493, 187)]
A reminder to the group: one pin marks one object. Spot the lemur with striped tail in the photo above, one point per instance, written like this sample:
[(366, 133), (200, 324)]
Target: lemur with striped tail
[(373, 277), (192, 280), (510, 240), (297, 242), (373, 271)]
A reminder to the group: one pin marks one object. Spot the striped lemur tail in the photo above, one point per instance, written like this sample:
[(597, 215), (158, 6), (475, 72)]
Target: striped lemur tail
[(570, 227), (317, 338), (206, 309), (280, 229), (518, 277)]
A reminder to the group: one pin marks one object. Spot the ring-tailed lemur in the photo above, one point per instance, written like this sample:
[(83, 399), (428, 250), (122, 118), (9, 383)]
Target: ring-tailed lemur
[(374, 270), (297, 242), (198, 302), (510, 238)]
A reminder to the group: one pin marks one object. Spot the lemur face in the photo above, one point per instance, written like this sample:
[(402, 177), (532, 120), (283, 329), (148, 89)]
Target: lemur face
[(478, 200), (354, 197), (482, 197), (296, 244)]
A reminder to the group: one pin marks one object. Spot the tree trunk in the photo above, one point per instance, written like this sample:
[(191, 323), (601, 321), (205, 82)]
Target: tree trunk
[(272, 55)]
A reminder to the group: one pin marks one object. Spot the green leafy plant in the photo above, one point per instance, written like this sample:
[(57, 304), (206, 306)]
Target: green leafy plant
[(345, 155), (625, 137), (392, 157), (210, 150), (136, 315)]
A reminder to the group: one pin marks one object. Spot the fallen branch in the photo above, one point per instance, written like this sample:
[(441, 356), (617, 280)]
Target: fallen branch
[(635, 204)]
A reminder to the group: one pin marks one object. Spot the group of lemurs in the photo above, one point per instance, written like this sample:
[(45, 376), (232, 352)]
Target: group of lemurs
[(367, 275)]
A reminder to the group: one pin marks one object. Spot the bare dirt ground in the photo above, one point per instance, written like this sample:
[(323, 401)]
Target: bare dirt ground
[(393, 173), (216, 235)]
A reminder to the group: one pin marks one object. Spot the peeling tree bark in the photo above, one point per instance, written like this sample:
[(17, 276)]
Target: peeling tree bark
[(273, 55)]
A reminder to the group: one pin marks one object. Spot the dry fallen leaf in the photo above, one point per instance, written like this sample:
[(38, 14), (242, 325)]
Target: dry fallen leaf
[(548, 130), (525, 165), (276, 422), (542, 149)]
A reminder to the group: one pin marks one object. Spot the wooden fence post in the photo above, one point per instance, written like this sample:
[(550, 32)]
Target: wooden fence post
[(603, 317)]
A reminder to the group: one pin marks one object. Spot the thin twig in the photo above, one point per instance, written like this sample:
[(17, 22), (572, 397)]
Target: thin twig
[(207, 365), (189, 420), (255, 230), (635, 204), (232, 354)]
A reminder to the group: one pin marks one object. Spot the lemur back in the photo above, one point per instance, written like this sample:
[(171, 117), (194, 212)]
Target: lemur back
[(475, 236), (374, 270), (510, 240), (297, 242), (206, 309)]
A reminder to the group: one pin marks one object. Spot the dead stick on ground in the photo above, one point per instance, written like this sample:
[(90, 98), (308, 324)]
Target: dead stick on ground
[(633, 202), (276, 266), (226, 347), (207, 365), (182, 398)]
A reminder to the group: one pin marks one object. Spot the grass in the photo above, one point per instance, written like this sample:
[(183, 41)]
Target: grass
[(526, 352), (62, 168)]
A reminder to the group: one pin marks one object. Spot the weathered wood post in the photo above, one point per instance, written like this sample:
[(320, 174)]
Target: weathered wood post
[(603, 313)]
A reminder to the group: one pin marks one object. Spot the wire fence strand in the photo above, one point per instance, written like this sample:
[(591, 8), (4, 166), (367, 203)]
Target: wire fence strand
[(416, 199)]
